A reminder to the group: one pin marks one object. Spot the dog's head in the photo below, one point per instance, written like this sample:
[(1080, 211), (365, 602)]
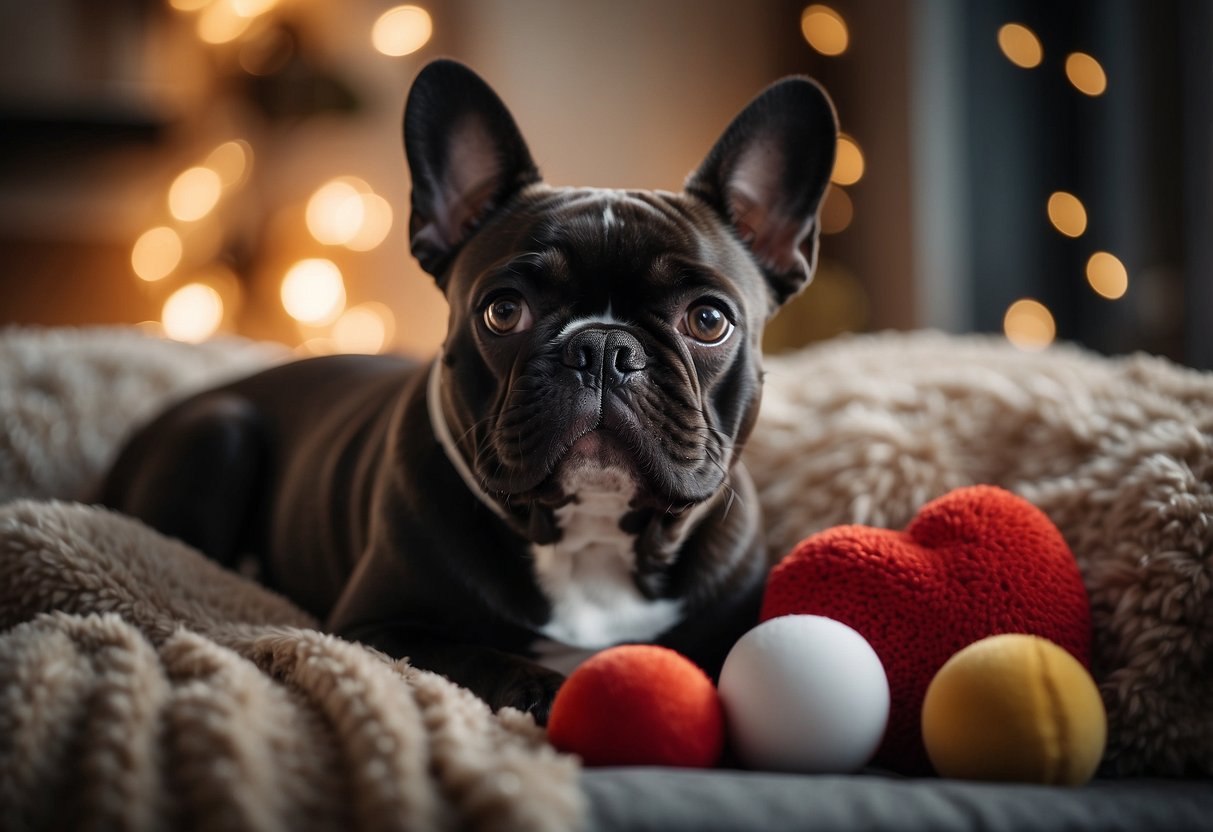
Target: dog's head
[(609, 329)]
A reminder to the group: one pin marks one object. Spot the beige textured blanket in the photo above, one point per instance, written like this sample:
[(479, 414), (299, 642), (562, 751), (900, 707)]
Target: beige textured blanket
[(162, 689), (144, 687)]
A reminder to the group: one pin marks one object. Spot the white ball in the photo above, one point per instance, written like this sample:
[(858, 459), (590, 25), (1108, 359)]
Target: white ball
[(804, 693)]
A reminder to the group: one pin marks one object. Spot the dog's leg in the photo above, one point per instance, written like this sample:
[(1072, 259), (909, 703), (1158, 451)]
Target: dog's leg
[(192, 474)]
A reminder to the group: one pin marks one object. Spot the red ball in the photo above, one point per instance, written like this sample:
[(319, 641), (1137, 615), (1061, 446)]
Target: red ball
[(976, 562), (639, 705)]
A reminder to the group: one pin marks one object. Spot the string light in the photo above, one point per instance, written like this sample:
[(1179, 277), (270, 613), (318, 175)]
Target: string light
[(402, 30), (224, 281), (1020, 45), (1029, 325), (1067, 214), (313, 291), (267, 53), (839, 300), (231, 161), (252, 8), (825, 30), (837, 212), (188, 5), (194, 193), (365, 328), (375, 225), (1107, 276), (192, 313), (848, 162), (346, 212), (220, 23), (335, 211), (1086, 74), (156, 253), (317, 346)]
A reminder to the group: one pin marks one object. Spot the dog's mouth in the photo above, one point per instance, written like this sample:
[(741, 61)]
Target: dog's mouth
[(602, 452), (661, 444), (599, 447), (593, 449)]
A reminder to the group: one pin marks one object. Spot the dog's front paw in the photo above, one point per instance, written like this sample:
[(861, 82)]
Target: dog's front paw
[(529, 688)]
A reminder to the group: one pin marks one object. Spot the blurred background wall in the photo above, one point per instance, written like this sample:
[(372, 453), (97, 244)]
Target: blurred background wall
[(1037, 169)]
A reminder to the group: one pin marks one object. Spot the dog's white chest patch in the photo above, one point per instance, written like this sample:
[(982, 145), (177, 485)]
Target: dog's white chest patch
[(587, 574)]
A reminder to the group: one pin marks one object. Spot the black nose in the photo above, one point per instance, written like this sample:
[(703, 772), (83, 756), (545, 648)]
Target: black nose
[(611, 355)]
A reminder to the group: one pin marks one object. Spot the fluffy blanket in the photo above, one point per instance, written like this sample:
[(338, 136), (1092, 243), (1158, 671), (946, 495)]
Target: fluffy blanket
[(144, 687), (141, 685)]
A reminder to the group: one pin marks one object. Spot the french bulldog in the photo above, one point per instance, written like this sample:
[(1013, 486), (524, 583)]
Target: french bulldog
[(567, 474)]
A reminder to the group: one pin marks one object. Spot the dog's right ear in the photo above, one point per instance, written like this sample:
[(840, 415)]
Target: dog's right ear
[(466, 158)]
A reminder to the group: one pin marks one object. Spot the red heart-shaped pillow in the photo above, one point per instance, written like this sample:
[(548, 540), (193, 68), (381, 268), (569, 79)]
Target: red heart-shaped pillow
[(974, 563)]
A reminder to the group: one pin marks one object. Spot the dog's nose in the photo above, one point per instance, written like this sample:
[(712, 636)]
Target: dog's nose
[(611, 355)]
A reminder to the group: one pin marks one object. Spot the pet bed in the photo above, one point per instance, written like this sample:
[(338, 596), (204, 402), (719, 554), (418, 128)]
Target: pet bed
[(143, 687)]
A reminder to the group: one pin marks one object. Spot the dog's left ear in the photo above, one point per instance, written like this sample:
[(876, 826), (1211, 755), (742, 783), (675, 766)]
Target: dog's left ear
[(767, 175), (466, 156)]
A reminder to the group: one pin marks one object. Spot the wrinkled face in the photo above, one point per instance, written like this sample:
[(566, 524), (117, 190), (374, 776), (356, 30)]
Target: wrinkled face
[(607, 342), (604, 328)]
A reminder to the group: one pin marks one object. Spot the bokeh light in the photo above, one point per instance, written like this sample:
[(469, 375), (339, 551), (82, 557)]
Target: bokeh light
[(375, 225), (848, 162), (835, 302), (825, 30), (267, 53), (252, 8), (837, 211), (188, 5), (1086, 74), (1029, 325), (365, 328), (220, 22), (335, 211), (194, 194), (1107, 276), (156, 253), (346, 212), (224, 281), (313, 291), (402, 30), (317, 345), (192, 313), (1067, 214), (1020, 45), (230, 161)]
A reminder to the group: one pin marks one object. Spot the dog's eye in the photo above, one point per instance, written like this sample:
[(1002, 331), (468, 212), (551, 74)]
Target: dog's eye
[(707, 324), (506, 314)]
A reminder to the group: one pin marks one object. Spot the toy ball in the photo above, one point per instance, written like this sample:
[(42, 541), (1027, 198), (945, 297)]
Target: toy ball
[(638, 705), (804, 693), (1014, 707), (976, 562)]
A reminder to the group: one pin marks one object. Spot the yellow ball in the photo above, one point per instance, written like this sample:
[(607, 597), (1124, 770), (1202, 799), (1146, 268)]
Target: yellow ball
[(1014, 707)]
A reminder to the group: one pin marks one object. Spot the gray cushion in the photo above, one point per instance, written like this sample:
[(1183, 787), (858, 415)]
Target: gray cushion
[(669, 800)]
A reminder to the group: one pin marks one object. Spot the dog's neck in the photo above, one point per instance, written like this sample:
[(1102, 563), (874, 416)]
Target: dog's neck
[(442, 433)]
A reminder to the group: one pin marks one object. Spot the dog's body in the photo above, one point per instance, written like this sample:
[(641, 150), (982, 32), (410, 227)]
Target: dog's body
[(566, 475)]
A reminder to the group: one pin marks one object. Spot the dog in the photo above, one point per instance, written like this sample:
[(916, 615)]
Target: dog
[(566, 475)]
